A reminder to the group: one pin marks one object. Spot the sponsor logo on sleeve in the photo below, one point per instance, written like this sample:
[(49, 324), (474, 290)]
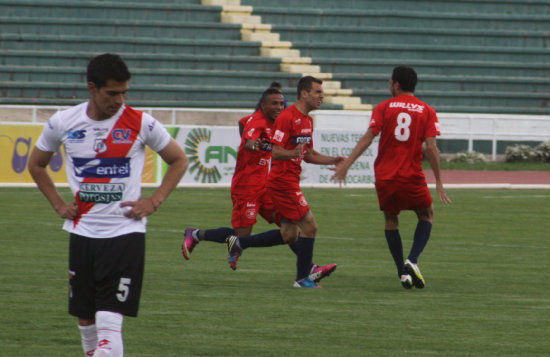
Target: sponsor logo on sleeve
[(301, 139), (278, 136)]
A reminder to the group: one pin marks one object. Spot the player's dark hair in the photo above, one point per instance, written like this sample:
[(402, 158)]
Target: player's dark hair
[(406, 77), (306, 83), (275, 84), (269, 91), (107, 66)]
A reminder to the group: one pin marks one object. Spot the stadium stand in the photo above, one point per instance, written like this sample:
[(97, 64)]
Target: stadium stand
[(485, 56)]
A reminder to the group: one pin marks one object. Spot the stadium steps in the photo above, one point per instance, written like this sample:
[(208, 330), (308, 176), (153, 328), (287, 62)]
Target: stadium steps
[(419, 51), (528, 103), (417, 35), (145, 76), (316, 16), (456, 46), (119, 44), (154, 95), (451, 82), (532, 7), (452, 44), (157, 29), (376, 65), (114, 9), (139, 60), (150, 38), (271, 46)]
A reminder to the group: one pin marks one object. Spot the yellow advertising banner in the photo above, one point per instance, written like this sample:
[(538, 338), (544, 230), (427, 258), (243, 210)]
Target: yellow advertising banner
[(16, 144)]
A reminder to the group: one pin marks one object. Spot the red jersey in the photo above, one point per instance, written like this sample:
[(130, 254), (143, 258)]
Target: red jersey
[(252, 167), (405, 122), (290, 129), (246, 119)]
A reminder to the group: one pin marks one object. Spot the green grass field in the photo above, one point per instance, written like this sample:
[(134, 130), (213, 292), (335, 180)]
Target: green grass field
[(485, 268)]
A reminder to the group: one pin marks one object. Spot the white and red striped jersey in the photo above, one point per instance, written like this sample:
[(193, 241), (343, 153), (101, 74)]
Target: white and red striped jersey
[(104, 163)]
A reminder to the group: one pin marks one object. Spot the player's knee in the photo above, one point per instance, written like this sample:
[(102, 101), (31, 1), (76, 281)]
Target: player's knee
[(289, 237), (426, 214)]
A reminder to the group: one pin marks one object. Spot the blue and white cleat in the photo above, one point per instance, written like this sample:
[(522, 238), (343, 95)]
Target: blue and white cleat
[(306, 283)]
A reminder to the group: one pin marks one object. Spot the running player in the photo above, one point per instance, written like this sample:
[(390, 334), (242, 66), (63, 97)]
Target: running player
[(292, 142), (405, 123), (104, 143), (248, 191)]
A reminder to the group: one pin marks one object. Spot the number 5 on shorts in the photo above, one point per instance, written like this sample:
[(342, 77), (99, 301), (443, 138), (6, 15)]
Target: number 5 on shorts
[(123, 289)]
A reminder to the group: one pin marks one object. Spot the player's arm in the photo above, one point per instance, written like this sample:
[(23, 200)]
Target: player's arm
[(38, 162), (253, 145), (341, 170), (314, 157), (432, 153), (241, 129), (280, 153), (175, 157)]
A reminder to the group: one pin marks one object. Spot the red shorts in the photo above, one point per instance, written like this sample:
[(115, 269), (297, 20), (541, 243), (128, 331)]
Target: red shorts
[(247, 207), (395, 196), (291, 205)]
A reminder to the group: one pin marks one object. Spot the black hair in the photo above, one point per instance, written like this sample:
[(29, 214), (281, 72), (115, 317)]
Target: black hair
[(406, 77), (269, 91), (107, 66), (306, 83), (275, 84)]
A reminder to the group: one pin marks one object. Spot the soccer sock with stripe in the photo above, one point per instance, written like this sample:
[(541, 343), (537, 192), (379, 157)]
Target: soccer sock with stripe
[(396, 248), (421, 237), (304, 257), (215, 235), (265, 239), (109, 334), (88, 335)]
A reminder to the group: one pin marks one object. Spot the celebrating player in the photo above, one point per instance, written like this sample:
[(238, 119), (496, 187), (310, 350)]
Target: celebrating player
[(405, 123), (248, 184), (248, 191), (292, 142), (104, 144)]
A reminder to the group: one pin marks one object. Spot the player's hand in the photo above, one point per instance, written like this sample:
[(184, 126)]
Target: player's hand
[(143, 207), (338, 159), (442, 195), (340, 173), (68, 211), (297, 151), (263, 144)]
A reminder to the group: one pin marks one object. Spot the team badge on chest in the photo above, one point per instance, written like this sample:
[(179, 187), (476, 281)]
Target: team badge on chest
[(100, 146)]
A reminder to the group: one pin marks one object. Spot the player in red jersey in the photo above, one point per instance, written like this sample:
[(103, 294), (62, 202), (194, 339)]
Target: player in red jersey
[(405, 123), (292, 142), (248, 191), (248, 183)]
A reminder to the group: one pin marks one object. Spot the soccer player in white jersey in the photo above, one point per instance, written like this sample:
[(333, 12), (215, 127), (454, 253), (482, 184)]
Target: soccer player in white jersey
[(104, 142)]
